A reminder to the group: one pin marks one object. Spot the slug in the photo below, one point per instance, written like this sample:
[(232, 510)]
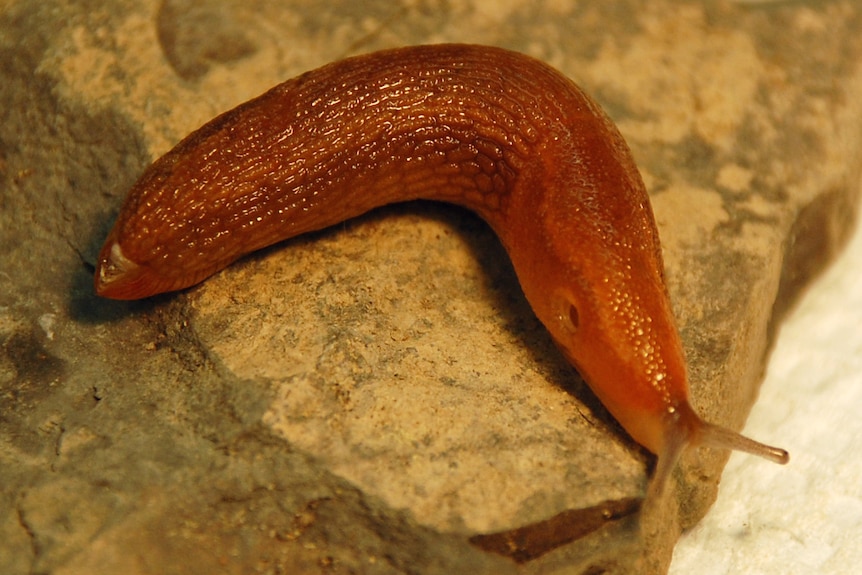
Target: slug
[(496, 132)]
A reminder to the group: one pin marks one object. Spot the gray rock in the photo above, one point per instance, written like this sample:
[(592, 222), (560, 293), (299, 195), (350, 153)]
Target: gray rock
[(377, 397)]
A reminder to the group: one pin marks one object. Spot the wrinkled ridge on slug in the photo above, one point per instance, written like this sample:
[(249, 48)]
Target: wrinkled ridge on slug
[(494, 131)]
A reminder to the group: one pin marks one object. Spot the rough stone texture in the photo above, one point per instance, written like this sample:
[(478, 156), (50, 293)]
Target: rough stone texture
[(378, 398)]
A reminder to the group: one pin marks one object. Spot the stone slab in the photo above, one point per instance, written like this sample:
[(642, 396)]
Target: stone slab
[(377, 397)]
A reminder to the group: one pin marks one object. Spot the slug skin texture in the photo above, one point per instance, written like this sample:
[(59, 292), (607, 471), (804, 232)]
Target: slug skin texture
[(496, 132)]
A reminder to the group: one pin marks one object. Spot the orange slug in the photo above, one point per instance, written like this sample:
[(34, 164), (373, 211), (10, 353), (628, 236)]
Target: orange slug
[(497, 132)]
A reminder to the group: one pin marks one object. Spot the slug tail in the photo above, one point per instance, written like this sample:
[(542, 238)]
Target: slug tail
[(118, 277)]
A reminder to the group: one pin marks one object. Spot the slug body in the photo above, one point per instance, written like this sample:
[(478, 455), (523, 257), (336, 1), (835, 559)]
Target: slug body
[(494, 131)]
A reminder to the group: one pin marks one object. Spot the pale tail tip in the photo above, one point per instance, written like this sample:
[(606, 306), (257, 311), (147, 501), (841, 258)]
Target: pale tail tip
[(118, 277), (113, 269)]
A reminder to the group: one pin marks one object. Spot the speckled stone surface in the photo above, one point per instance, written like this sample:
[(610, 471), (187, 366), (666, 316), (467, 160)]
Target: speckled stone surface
[(374, 397)]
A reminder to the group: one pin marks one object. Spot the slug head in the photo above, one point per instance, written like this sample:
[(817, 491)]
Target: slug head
[(616, 327), (593, 273)]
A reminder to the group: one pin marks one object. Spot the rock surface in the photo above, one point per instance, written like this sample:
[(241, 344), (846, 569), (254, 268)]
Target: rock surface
[(378, 398)]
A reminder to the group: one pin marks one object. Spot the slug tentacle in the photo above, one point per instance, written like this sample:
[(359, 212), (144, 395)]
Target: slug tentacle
[(686, 429), (494, 131), (723, 438)]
